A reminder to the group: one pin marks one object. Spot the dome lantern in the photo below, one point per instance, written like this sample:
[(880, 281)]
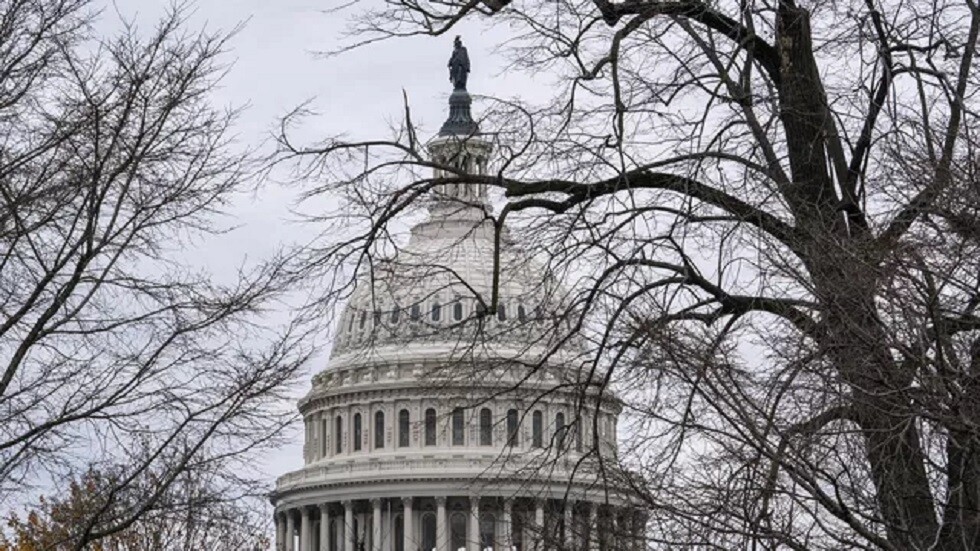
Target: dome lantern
[(459, 143)]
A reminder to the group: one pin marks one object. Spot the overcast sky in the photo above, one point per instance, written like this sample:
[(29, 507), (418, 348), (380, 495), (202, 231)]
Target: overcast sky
[(275, 66)]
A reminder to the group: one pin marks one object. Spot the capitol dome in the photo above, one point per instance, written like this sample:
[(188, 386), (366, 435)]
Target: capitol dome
[(450, 415), (439, 289)]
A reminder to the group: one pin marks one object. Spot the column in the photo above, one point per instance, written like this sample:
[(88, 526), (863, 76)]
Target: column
[(348, 525), (376, 524), (442, 531), (290, 529), (280, 532), (408, 525), (569, 524), (539, 523), (324, 527), (593, 527), (304, 529), (505, 539), (474, 543), (615, 537)]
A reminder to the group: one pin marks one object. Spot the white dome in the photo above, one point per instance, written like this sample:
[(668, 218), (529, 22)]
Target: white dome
[(439, 394), (435, 298), (434, 291)]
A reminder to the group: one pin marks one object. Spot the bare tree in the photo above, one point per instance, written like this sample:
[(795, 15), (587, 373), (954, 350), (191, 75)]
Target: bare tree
[(115, 347), (765, 213)]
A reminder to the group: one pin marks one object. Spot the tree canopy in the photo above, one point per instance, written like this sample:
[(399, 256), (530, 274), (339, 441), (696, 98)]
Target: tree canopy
[(765, 213), (117, 346), (193, 515)]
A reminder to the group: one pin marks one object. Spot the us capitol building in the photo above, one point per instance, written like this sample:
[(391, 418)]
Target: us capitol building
[(446, 420)]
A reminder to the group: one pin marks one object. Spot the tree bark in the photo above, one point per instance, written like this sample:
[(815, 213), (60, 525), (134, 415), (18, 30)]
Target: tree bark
[(878, 388), (845, 280), (961, 512)]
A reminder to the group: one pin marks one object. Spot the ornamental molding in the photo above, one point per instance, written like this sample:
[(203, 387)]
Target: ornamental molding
[(375, 365), (386, 393), (508, 487), (439, 465), (443, 478)]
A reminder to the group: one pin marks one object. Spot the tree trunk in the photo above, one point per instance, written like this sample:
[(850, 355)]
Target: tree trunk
[(882, 404), (961, 512), (845, 280)]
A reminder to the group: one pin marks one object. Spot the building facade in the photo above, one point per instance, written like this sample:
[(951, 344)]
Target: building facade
[(451, 416)]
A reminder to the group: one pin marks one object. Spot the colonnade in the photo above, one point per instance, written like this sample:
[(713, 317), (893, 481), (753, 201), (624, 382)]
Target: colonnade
[(457, 523)]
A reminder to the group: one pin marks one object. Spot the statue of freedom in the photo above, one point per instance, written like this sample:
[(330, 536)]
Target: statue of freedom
[(459, 65)]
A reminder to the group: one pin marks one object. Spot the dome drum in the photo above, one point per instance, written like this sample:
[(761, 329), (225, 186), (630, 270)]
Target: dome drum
[(420, 424)]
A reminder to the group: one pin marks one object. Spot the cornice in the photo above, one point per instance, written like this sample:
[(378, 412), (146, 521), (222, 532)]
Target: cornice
[(408, 389), (583, 486)]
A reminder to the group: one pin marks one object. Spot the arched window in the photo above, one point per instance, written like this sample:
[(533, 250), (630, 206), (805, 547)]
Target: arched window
[(501, 312), (436, 311), (517, 526), (457, 531), (459, 431), (458, 311), (363, 320), (521, 313), (394, 315), (512, 428), (430, 427), (377, 318), (324, 427), (379, 430), (537, 429), (486, 427), (400, 533), (403, 428), (560, 429), (578, 434), (488, 523), (428, 531), (357, 432), (415, 312), (338, 434)]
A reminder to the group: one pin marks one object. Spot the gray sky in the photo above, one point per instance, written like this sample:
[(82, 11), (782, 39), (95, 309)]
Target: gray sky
[(275, 67)]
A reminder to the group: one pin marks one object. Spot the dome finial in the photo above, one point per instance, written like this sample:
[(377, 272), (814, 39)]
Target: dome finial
[(460, 121), (459, 65)]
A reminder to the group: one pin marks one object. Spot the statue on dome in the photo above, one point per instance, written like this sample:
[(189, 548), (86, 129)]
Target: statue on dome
[(459, 65)]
